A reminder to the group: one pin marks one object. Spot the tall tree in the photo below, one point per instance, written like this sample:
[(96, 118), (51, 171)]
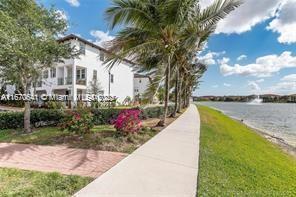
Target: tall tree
[(156, 29), (28, 33)]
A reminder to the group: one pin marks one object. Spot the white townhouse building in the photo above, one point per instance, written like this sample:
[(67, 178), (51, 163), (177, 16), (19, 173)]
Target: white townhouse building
[(73, 77), (141, 83)]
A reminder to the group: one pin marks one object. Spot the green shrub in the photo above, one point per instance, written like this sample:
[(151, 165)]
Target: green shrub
[(80, 121), (51, 117), (105, 115), (39, 117), (55, 105), (155, 111)]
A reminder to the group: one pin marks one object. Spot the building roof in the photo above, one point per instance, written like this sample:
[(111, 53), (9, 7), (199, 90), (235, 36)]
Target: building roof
[(75, 37), (140, 76)]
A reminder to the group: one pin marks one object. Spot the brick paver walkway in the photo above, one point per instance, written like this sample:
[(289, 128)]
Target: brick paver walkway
[(58, 159)]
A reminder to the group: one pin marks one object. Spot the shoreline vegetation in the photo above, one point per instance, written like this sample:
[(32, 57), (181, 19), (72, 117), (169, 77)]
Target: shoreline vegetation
[(237, 160), (285, 146), (282, 143)]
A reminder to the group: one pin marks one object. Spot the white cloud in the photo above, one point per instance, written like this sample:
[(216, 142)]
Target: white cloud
[(285, 22), (291, 77), (253, 12), (227, 84), (249, 14), (254, 86), (264, 66), (215, 86), (101, 37), (260, 81), (241, 57), (285, 87), (74, 3), (210, 57), (224, 60)]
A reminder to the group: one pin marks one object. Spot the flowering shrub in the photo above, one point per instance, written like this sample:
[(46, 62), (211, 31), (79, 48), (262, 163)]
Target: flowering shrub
[(79, 122), (128, 121)]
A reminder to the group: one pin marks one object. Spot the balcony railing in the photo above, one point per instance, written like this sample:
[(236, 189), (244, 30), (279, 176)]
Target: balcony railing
[(68, 80), (60, 81), (81, 82), (65, 81)]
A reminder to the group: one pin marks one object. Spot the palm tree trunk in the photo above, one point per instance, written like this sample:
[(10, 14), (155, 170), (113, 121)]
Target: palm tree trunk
[(162, 122), (179, 93), (176, 94)]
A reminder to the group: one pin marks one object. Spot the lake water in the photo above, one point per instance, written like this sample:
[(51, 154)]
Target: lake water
[(276, 119)]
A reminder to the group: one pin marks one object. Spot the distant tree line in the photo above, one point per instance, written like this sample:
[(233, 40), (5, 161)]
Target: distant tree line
[(267, 98)]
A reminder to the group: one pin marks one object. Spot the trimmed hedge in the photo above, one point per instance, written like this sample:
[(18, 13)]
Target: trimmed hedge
[(52, 117), (105, 115), (155, 111), (39, 117)]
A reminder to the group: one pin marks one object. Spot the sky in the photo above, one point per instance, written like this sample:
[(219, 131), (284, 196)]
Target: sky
[(253, 50)]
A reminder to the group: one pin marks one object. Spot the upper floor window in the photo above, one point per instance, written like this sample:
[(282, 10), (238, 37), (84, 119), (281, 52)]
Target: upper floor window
[(140, 81), (95, 75), (112, 78), (102, 56), (45, 74), (82, 48), (67, 44), (80, 73), (53, 72)]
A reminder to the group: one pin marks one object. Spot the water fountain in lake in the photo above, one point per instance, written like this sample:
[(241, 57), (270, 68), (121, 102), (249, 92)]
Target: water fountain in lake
[(256, 101)]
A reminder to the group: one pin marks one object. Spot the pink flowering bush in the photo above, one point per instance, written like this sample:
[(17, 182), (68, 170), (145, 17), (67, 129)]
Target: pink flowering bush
[(128, 121), (79, 122)]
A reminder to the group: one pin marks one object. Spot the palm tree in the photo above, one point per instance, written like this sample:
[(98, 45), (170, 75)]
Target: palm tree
[(156, 29)]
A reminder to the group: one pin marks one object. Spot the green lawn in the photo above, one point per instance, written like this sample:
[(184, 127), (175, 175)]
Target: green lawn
[(24, 183), (235, 161), (104, 137)]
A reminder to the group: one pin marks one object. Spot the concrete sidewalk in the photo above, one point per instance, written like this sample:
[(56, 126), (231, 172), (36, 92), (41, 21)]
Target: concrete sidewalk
[(166, 166)]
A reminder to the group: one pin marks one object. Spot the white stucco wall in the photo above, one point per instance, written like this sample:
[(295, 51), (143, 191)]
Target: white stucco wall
[(140, 85), (123, 82), (122, 86)]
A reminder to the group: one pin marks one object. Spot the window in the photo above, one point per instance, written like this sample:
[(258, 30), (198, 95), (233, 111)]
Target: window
[(140, 81), (45, 74), (102, 56), (83, 74), (68, 44), (95, 75), (53, 72), (82, 48), (112, 78), (80, 74)]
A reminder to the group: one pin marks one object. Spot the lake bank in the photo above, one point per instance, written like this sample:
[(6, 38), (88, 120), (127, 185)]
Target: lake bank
[(276, 121), (236, 161), (271, 138)]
